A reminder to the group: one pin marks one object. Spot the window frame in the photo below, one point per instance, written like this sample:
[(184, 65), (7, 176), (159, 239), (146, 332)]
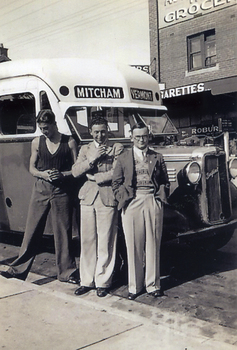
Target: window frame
[(10, 125), (203, 40)]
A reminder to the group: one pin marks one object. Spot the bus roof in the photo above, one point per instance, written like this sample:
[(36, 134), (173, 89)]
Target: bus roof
[(76, 79)]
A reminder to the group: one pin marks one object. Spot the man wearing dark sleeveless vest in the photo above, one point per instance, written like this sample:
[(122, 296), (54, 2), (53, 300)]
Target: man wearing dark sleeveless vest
[(52, 156), (141, 185)]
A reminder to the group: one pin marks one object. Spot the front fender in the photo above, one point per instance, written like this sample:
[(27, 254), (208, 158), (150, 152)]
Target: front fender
[(174, 223)]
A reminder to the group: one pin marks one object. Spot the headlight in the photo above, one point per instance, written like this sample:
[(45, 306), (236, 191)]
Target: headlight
[(193, 172), (233, 167)]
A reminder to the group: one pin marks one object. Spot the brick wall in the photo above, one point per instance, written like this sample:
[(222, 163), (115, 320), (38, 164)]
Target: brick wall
[(173, 47), (153, 25)]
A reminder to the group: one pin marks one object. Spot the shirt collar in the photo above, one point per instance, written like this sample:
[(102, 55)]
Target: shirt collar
[(96, 144), (140, 153)]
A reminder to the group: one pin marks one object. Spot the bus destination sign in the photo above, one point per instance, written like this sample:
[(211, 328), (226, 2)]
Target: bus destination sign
[(110, 92), (142, 95)]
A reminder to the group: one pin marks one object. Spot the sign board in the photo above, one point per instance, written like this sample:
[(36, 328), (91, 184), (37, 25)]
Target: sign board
[(183, 90), (176, 11), (225, 124), (205, 130), (110, 92), (141, 94), (144, 68)]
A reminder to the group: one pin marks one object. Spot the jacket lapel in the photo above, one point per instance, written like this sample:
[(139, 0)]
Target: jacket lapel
[(152, 159)]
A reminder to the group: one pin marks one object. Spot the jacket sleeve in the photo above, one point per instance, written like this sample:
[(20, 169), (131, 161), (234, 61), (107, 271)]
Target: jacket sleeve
[(123, 193), (164, 179), (118, 177), (82, 164), (106, 176)]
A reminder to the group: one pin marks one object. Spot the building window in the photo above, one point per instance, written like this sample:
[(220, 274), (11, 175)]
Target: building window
[(202, 50)]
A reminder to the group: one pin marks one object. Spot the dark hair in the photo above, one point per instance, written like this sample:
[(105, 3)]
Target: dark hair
[(139, 126), (98, 120), (46, 116)]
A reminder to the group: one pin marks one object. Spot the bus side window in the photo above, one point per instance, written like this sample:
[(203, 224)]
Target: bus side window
[(26, 124), (17, 114), (44, 101)]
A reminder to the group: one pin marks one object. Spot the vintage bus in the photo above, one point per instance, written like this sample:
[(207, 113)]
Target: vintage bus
[(202, 202)]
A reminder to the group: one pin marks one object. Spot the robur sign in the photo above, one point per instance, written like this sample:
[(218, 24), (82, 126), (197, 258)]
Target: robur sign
[(205, 130)]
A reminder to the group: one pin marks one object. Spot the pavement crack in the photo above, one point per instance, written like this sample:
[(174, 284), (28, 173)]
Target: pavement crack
[(112, 336), (15, 294)]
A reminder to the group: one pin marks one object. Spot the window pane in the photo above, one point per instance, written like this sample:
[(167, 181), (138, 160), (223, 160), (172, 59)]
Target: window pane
[(210, 61), (210, 53), (44, 101), (17, 114), (196, 61), (210, 49), (120, 120), (202, 50), (195, 45), (210, 37)]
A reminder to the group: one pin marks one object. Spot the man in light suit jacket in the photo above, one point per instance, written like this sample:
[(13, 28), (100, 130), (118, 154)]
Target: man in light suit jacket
[(140, 184), (99, 214)]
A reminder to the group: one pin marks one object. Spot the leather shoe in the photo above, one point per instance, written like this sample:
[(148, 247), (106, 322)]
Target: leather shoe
[(102, 292), (6, 274), (132, 296), (157, 293), (82, 290), (73, 280)]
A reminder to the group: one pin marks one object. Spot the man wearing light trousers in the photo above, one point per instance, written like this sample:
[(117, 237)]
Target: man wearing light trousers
[(99, 214), (140, 184)]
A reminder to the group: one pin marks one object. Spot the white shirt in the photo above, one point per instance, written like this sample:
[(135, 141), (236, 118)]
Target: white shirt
[(96, 144), (140, 153)]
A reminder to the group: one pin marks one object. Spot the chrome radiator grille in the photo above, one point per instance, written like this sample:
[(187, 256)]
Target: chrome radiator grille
[(217, 189)]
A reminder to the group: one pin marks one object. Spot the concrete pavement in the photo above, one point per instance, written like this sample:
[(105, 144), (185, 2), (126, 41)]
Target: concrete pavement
[(50, 316)]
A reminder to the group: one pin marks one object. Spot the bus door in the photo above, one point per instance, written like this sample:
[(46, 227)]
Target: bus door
[(17, 128)]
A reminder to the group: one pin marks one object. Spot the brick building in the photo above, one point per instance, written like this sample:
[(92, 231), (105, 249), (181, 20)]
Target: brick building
[(193, 46)]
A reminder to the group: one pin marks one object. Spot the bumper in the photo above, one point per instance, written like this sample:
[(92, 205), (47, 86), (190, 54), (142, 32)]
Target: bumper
[(210, 231)]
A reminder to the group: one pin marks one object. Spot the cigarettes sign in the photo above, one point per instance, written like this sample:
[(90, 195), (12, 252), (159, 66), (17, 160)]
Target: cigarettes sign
[(183, 90), (175, 11)]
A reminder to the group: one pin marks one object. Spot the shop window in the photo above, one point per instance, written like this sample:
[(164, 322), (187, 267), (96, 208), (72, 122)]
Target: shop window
[(17, 114), (202, 50)]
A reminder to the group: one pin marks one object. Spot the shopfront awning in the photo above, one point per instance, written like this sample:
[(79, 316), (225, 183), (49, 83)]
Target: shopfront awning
[(222, 86)]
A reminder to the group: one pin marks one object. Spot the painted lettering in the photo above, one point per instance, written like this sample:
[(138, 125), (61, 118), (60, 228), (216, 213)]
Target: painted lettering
[(172, 92), (204, 5), (183, 90), (79, 92), (219, 2), (205, 130), (178, 92), (116, 93), (170, 17), (98, 92), (200, 87), (103, 93), (170, 2), (139, 94), (181, 13), (193, 9)]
